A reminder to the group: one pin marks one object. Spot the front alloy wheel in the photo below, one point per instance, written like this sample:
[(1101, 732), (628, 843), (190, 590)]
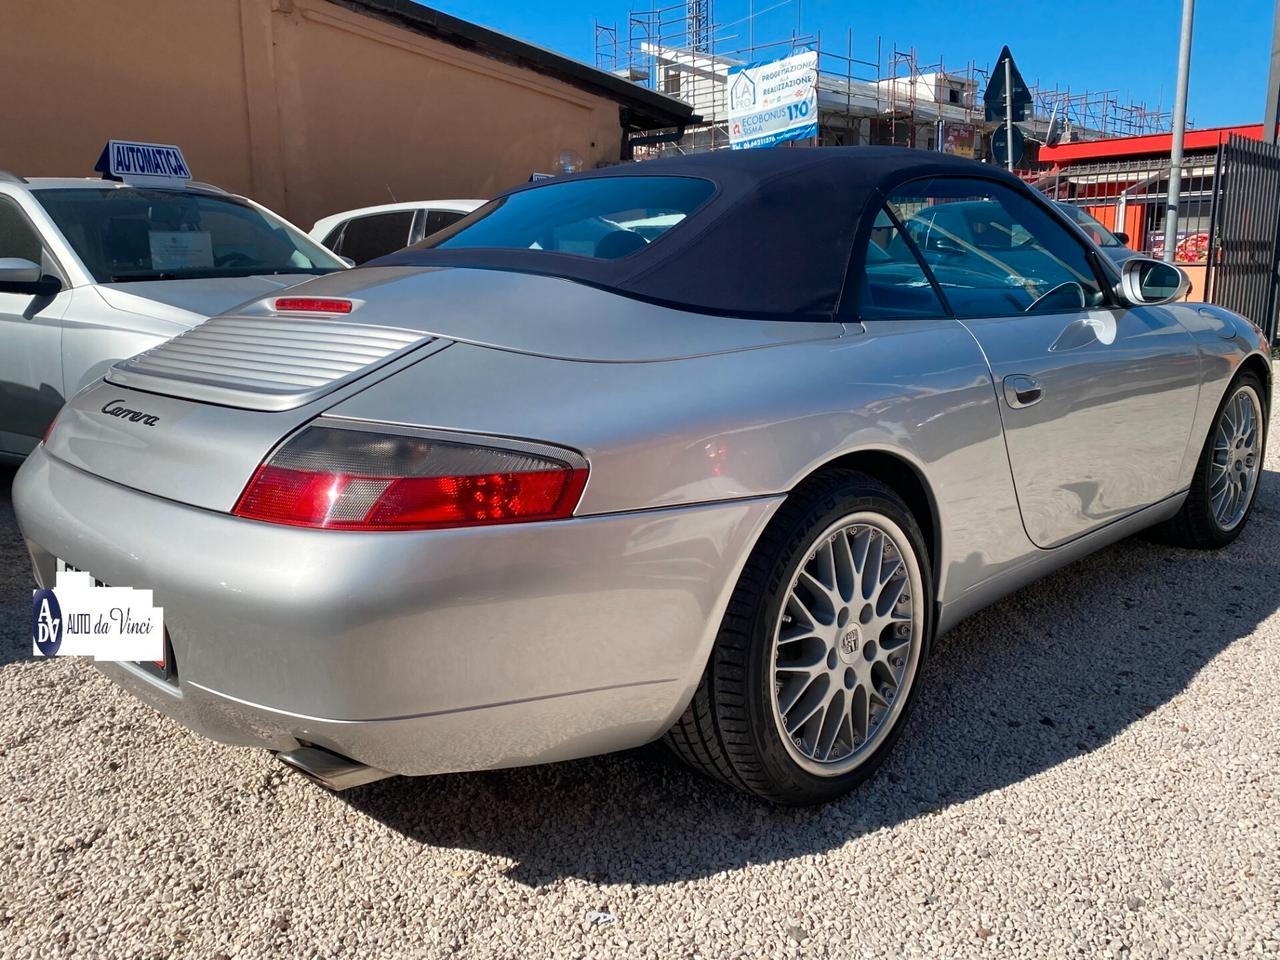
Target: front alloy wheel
[(1236, 457), (1225, 483)]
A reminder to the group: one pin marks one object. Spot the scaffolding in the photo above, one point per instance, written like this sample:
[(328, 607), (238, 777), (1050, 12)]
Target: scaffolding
[(1100, 111), (681, 49)]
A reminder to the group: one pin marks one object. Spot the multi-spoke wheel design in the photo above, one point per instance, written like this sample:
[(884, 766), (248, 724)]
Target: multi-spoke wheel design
[(1225, 482), (1236, 457), (846, 644), (822, 648)]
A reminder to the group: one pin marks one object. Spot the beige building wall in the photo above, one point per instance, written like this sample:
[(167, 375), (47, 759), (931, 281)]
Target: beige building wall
[(303, 105)]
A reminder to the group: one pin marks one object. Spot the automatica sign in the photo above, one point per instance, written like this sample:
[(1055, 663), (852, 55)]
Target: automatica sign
[(773, 101)]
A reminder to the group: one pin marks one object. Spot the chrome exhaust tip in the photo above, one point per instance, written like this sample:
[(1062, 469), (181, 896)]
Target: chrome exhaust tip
[(331, 770)]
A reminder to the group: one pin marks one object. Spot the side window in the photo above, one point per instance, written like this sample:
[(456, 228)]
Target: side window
[(17, 237), (993, 251), (893, 284), (334, 237), (437, 220), (366, 238)]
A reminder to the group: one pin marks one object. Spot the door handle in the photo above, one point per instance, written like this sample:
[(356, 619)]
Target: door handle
[(1022, 391)]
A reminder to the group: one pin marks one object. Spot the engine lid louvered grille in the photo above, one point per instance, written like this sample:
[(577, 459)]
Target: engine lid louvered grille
[(263, 363)]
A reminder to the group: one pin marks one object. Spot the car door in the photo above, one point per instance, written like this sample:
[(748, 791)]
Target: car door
[(1097, 399), (30, 341)]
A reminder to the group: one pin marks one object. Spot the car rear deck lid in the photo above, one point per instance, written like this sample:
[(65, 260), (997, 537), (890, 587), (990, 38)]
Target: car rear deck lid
[(264, 363)]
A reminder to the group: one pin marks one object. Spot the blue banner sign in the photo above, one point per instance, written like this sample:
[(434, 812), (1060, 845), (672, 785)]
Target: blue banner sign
[(774, 101)]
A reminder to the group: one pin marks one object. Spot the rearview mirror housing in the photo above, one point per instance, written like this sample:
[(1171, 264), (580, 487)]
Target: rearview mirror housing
[(1122, 237), (1148, 282), (24, 276)]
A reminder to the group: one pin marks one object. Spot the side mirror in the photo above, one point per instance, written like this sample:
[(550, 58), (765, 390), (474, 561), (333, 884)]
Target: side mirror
[(24, 276), (1122, 237), (1144, 281)]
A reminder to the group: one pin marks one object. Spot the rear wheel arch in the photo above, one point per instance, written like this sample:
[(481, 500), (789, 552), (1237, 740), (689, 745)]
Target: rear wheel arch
[(906, 480)]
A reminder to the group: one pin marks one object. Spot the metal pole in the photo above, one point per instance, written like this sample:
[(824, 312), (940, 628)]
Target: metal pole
[(1179, 133), (1008, 111), (1272, 116)]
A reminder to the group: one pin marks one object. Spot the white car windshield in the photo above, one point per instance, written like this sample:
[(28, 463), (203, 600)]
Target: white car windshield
[(123, 234)]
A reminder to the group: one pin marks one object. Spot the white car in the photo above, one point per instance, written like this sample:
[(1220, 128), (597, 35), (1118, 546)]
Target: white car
[(95, 271), (371, 232)]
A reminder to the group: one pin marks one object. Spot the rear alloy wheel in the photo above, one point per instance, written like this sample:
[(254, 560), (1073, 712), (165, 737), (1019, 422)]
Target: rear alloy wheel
[(817, 660), (846, 647), (1226, 478)]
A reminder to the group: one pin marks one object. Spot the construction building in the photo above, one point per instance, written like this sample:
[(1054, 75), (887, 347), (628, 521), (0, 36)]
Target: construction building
[(683, 51)]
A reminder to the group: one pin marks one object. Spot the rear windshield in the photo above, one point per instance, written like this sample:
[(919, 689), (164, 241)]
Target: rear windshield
[(123, 234), (605, 218)]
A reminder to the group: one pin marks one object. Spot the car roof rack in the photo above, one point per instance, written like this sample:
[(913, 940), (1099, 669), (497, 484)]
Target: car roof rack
[(7, 177)]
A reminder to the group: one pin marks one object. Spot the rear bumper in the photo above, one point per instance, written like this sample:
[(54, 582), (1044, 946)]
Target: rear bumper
[(422, 652)]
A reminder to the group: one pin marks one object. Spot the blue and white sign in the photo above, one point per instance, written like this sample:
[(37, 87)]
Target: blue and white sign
[(144, 164), (773, 101)]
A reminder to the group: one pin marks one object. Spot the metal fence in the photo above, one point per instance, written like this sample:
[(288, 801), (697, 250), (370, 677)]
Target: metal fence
[(1131, 198), (1246, 256), (1228, 234)]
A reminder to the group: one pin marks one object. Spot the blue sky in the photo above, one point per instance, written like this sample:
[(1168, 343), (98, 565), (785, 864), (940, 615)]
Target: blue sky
[(1129, 46)]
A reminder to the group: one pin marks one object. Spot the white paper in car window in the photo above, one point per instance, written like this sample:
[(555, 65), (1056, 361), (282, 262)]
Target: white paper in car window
[(181, 250)]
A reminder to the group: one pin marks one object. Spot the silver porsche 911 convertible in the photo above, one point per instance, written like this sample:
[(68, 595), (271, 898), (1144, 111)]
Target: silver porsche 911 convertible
[(545, 485)]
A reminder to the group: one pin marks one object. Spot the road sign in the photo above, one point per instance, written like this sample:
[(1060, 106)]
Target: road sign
[(994, 99), (1000, 145)]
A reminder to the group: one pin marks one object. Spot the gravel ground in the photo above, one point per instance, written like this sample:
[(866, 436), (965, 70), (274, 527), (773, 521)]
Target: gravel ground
[(1093, 770)]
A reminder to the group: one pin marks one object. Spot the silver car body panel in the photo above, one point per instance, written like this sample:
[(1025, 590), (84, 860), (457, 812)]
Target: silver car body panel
[(602, 624), (461, 649), (260, 364)]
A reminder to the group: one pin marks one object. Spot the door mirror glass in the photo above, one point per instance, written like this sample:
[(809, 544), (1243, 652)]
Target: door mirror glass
[(1149, 282)]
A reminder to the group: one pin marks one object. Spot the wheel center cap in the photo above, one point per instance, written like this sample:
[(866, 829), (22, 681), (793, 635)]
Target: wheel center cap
[(849, 644)]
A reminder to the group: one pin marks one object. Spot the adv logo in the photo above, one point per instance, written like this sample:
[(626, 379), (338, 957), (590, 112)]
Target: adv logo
[(46, 622)]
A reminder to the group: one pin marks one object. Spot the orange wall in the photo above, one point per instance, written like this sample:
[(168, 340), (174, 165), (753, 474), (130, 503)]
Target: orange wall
[(301, 104)]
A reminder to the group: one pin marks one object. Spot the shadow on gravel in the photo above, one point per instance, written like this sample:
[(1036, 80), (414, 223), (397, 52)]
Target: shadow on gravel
[(16, 581), (1054, 671)]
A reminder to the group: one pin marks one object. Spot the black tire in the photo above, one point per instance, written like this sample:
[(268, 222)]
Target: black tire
[(729, 730), (1196, 526)]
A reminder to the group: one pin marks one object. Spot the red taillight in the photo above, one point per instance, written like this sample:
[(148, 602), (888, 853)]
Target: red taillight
[(312, 305), (345, 479), (48, 430)]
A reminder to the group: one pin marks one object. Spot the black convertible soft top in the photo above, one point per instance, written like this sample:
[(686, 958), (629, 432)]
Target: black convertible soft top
[(774, 240)]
